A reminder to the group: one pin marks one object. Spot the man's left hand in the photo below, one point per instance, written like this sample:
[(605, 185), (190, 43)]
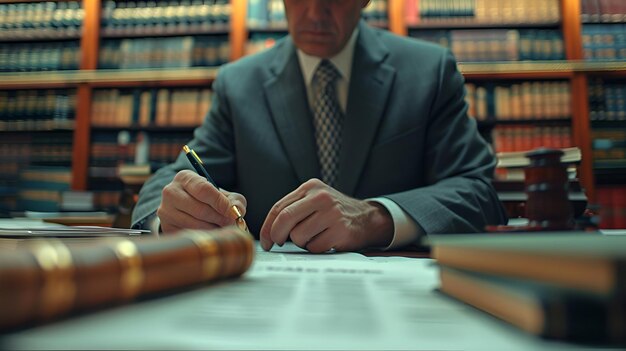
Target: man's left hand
[(318, 218)]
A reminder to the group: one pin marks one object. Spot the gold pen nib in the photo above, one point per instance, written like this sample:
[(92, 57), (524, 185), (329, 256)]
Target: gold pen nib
[(241, 223)]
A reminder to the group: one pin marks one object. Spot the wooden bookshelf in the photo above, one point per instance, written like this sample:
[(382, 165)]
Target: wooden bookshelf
[(88, 77), (196, 76), (455, 25), (204, 76)]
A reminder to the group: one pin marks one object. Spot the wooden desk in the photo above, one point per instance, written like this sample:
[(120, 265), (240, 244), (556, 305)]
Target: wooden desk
[(289, 300)]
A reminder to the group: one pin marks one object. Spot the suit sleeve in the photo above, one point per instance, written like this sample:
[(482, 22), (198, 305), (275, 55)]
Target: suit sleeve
[(212, 141), (459, 197)]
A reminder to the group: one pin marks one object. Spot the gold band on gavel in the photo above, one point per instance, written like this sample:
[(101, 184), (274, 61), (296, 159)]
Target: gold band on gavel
[(59, 289), (209, 252), (248, 241), (132, 275)]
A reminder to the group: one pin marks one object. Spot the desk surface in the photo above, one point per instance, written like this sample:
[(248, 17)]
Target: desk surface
[(292, 300)]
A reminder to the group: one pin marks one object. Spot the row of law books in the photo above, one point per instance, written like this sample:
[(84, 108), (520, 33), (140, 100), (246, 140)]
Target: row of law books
[(37, 148), (48, 189), (566, 286), (525, 138), (611, 201), (264, 14), (609, 147), (151, 107), (376, 13), (174, 52), (603, 11), (42, 188), (604, 42), (525, 100), (164, 17), (40, 20), (480, 45), (607, 101), (482, 11), (37, 109), (110, 149), (39, 56), (28, 147)]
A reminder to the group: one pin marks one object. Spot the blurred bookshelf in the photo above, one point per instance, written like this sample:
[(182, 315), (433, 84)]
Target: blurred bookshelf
[(95, 74)]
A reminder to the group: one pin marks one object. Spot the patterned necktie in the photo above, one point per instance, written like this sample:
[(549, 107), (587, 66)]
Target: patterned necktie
[(327, 119)]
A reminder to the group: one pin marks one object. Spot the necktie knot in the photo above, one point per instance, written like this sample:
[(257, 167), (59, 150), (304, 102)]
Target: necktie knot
[(326, 73)]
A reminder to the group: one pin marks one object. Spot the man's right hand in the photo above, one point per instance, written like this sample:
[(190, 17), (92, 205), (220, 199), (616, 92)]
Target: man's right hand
[(191, 202)]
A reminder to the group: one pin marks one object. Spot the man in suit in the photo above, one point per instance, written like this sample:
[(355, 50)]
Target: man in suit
[(340, 137)]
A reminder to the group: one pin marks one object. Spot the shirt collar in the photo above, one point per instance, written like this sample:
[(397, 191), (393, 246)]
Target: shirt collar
[(342, 61)]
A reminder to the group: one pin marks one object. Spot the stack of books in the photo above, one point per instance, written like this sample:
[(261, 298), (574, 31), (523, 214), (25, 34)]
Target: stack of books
[(560, 285), (510, 165)]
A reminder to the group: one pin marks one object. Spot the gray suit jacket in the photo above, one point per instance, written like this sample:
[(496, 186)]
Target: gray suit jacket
[(407, 135)]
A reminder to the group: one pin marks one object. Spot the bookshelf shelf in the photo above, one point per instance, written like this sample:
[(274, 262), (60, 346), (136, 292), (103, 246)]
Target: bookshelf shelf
[(492, 122), (148, 33), (431, 25), (23, 1), (530, 70), (609, 123), (8, 37), (194, 76), (267, 29), (616, 19), (37, 130), (534, 70), (152, 129), (201, 76)]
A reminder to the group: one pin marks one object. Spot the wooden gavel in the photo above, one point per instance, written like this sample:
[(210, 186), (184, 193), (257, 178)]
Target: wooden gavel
[(546, 186)]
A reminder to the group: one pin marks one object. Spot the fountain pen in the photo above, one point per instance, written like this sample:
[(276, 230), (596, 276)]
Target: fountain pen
[(198, 165)]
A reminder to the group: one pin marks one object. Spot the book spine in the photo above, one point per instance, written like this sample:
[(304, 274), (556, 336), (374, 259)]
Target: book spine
[(555, 312), (49, 279)]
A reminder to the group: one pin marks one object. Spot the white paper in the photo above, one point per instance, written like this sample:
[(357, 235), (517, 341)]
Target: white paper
[(291, 300)]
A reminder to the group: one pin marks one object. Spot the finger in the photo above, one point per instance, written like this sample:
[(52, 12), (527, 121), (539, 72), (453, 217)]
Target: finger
[(178, 219), (236, 199), (266, 229), (304, 231), (176, 198), (265, 234), (237, 208), (290, 217), (322, 242), (203, 191)]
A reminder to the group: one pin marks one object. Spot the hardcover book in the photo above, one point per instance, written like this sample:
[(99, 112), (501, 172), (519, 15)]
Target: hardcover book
[(543, 309), (587, 261)]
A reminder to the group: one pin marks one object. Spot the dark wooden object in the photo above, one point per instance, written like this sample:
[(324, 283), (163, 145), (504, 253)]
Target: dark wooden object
[(546, 185)]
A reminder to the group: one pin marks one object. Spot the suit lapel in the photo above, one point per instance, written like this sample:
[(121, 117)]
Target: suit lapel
[(370, 83), (287, 98)]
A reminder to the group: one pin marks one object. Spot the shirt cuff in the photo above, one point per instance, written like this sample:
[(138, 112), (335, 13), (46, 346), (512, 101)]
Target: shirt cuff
[(155, 226), (405, 230), (151, 222)]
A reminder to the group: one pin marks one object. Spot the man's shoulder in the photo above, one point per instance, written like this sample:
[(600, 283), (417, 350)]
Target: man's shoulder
[(404, 53)]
